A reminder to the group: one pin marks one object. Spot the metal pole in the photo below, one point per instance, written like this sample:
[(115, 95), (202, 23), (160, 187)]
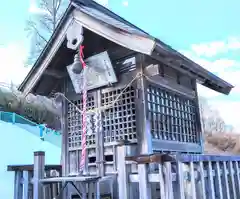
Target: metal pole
[(38, 173)]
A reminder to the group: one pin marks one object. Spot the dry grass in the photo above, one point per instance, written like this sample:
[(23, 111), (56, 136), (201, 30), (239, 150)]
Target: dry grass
[(222, 143)]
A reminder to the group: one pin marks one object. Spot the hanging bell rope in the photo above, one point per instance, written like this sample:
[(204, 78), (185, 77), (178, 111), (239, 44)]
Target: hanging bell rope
[(84, 112)]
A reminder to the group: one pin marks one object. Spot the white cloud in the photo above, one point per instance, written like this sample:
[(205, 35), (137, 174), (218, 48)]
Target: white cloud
[(34, 9), (12, 67), (232, 77), (206, 92), (233, 43), (125, 3), (219, 66), (236, 89), (210, 49), (228, 110)]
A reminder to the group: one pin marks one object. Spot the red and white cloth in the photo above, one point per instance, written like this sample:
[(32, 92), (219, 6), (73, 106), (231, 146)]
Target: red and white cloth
[(84, 114)]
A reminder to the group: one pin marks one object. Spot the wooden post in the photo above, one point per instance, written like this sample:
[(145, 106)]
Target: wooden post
[(25, 185), (18, 188), (123, 173), (39, 164)]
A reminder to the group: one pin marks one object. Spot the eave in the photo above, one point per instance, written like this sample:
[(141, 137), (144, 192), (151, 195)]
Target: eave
[(89, 15), (181, 62)]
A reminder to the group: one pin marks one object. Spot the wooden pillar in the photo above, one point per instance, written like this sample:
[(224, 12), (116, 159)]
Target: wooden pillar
[(18, 188), (123, 173), (38, 173), (25, 184)]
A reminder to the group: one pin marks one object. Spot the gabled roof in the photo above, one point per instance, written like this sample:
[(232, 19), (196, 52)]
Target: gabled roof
[(105, 18)]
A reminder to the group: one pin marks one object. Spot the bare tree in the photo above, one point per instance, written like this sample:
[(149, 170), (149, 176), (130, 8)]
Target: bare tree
[(41, 25), (203, 106), (210, 118)]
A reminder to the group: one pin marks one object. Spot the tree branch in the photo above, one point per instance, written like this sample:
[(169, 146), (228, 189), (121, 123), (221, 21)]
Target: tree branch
[(40, 27), (33, 26)]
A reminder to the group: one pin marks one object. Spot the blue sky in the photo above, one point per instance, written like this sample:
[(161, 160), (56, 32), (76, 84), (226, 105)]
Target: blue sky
[(17, 147), (183, 23), (14, 14), (206, 31)]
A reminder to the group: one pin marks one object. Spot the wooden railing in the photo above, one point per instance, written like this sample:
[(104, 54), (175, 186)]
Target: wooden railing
[(156, 176), (162, 176), (26, 180)]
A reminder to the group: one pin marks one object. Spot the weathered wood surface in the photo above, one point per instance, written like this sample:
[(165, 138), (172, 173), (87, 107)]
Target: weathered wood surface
[(30, 167), (38, 109)]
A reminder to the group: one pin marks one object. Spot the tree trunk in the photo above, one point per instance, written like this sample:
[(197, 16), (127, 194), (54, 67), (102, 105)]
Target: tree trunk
[(39, 109)]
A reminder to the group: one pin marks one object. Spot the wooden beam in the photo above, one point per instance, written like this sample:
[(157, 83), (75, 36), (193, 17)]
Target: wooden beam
[(29, 167), (55, 73), (152, 158), (176, 64)]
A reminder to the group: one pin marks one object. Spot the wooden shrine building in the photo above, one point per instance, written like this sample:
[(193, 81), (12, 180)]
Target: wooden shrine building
[(139, 90)]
